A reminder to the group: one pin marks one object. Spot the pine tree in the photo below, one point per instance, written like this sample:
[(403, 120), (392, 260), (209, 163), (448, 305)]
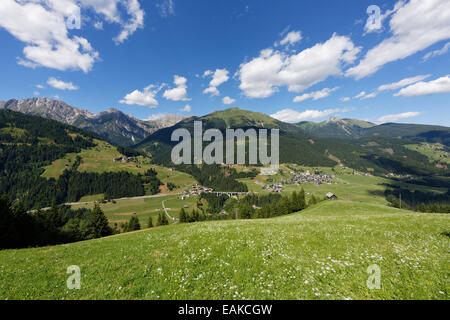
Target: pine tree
[(183, 217), (99, 223), (159, 222), (313, 200), (301, 199), (150, 222), (133, 224)]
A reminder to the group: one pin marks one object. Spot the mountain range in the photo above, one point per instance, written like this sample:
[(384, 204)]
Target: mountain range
[(380, 151), (355, 143), (112, 125)]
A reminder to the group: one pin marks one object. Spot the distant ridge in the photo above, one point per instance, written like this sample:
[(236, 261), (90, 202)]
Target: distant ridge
[(112, 124)]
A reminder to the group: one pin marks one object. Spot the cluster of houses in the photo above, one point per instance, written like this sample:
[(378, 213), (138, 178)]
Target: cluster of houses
[(399, 176), (356, 173), (124, 159), (318, 179), (278, 187), (196, 190)]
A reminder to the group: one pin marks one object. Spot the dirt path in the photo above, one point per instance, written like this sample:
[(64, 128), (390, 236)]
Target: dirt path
[(165, 210)]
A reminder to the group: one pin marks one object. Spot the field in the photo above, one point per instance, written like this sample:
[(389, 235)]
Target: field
[(122, 210), (434, 151), (321, 253), (100, 159), (350, 186)]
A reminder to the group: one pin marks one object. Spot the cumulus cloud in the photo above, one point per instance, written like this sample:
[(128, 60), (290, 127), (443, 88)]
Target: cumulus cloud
[(42, 26), (61, 85), (187, 108), (179, 93), (436, 53), (262, 76), (395, 117), (315, 95), (403, 83), (228, 100), (345, 99), (292, 116), (219, 77), (415, 25), (145, 98), (441, 85), (136, 21), (291, 38)]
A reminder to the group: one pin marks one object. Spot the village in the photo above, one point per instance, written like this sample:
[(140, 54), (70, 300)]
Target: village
[(196, 190)]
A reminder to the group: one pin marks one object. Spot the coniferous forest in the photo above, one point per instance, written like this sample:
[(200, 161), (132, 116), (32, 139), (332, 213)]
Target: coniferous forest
[(29, 143)]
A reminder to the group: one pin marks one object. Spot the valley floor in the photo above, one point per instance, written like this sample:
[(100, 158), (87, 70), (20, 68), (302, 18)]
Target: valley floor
[(323, 252)]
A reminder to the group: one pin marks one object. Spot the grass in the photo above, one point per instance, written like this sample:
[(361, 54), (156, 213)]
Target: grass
[(122, 210), (100, 159), (350, 187), (434, 151), (321, 253)]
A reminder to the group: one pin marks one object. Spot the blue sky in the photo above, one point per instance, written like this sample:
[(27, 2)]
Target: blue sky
[(295, 60)]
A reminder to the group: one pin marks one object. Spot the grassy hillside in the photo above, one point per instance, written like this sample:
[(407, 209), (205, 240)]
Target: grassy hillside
[(336, 128), (99, 159), (43, 160), (321, 253)]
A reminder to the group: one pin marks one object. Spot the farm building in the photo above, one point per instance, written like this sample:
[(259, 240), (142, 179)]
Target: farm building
[(331, 196)]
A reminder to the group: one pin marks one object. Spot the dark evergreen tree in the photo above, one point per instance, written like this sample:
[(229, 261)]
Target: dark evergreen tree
[(99, 223)]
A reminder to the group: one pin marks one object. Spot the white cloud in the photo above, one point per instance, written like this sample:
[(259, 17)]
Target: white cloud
[(395, 117), (441, 85), (136, 21), (166, 8), (40, 86), (187, 108), (291, 38), (36, 93), (315, 95), (145, 98), (345, 99), (98, 25), (292, 116), (41, 25), (228, 100), (211, 90), (179, 93), (219, 77), (363, 95), (403, 83), (262, 76), (415, 26), (156, 116), (436, 53), (61, 85)]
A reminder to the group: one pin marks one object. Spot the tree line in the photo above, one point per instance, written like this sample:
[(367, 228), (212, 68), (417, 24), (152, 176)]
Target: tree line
[(20, 229), (420, 201)]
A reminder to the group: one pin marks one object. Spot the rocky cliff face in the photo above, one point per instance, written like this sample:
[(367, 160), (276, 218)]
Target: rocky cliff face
[(112, 125)]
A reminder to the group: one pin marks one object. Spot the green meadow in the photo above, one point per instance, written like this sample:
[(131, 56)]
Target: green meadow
[(323, 252), (143, 208), (100, 159)]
